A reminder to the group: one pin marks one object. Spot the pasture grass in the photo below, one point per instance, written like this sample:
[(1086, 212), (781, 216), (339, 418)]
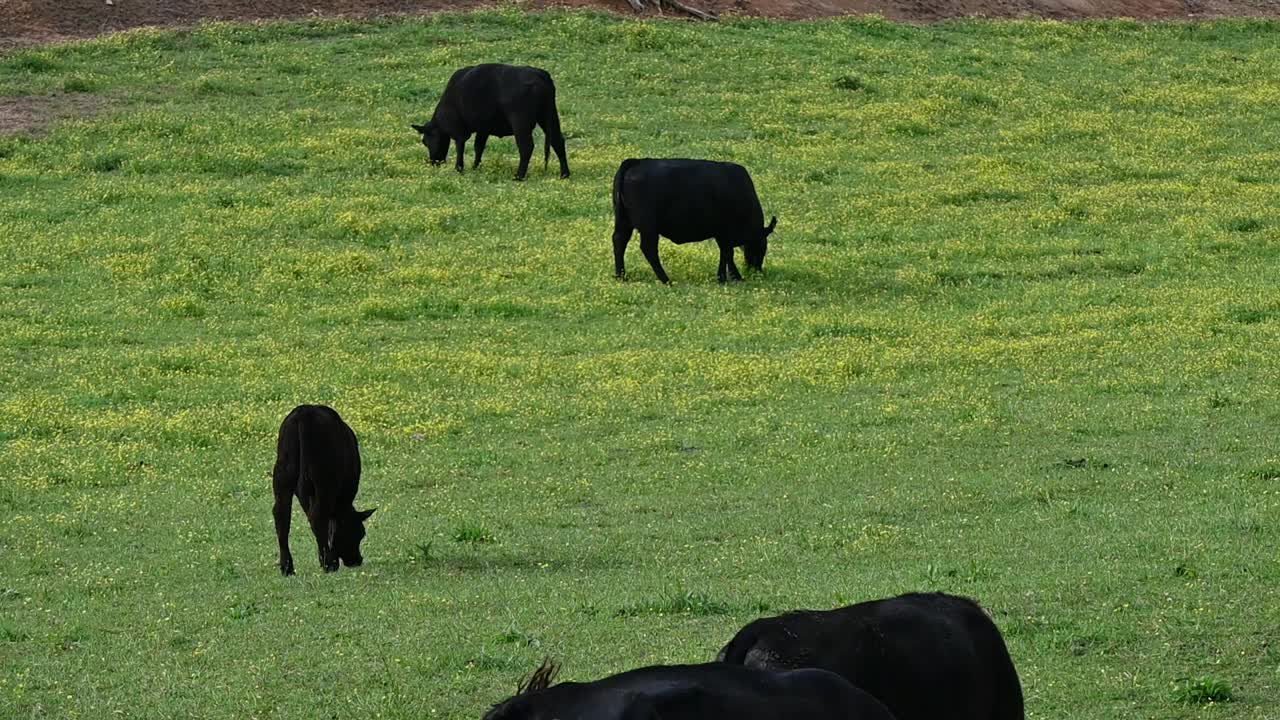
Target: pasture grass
[(1018, 338)]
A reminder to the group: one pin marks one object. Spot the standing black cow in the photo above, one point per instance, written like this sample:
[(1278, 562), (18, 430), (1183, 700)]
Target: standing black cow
[(713, 691), (924, 655), (498, 100), (688, 201), (318, 460)]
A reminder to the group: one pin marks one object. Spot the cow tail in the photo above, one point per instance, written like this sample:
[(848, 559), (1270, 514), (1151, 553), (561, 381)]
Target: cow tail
[(619, 211), (303, 470), (550, 130)]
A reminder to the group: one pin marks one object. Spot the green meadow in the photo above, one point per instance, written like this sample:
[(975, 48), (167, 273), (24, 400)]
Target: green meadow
[(1017, 338)]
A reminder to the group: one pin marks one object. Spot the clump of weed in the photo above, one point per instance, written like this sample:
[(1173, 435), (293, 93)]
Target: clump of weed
[(488, 662), (79, 84), (183, 306), (1202, 690), (1247, 316), (243, 611), (849, 82), (978, 99), (105, 162), (1266, 473), (1245, 224), (513, 636), (1085, 464), (641, 36), (686, 602), (34, 63), (213, 85), (226, 569), (977, 195), (476, 534), (9, 633), (378, 309), (424, 551), (1218, 400), (912, 128)]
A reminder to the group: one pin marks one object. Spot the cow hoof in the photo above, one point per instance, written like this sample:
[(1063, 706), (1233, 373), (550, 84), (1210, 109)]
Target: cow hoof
[(519, 178), (286, 570), (564, 176)]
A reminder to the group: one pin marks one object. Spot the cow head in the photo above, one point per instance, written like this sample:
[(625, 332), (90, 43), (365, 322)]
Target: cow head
[(347, 537), (754, 250), (436, 142)]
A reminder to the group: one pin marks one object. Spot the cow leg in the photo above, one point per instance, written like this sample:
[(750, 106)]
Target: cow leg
[(282, 512), (550, 123), (524, 141), (621, 236), (649, 245), (726, 263), (481, 139), (557, 144), (322, 526), (460, 144)]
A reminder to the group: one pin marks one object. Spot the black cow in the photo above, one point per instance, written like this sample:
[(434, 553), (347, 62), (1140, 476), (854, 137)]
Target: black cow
[(498, 100), (688, 201), (925, 655), (714, 691), (318, 460)]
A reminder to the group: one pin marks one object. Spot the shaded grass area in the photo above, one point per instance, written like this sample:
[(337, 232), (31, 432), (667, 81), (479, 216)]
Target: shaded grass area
[(1016, 339)]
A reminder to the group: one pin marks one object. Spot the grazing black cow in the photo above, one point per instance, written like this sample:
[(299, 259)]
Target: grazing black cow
[(318, 460), (497, 100), (714, 691), (688, 201), (924, 655)]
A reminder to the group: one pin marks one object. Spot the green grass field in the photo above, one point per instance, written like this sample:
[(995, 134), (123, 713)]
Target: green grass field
[(1017, 338)]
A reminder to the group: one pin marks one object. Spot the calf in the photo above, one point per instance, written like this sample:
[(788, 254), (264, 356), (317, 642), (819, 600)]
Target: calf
[(318, 460), (925, 656), (688, 201), (497, 100), (692, 692)]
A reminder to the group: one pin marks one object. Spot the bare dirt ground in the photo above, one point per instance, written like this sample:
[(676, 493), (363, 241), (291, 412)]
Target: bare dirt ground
[(32, 22), (23, 22), (26, 114)]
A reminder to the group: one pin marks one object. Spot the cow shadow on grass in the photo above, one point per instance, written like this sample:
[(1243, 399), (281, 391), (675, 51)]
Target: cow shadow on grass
[(788, 275), (464, 560)]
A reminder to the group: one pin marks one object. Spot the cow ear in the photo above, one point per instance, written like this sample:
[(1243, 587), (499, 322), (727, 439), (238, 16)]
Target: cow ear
[(773, 223), (420, 128), (364, 514)]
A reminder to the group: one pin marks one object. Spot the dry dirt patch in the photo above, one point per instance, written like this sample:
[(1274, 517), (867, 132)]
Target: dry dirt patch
[(28, 21), (31, 114)]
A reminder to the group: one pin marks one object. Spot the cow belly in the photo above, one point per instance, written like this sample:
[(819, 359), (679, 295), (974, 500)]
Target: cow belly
[(499, 128), (683, 239)]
